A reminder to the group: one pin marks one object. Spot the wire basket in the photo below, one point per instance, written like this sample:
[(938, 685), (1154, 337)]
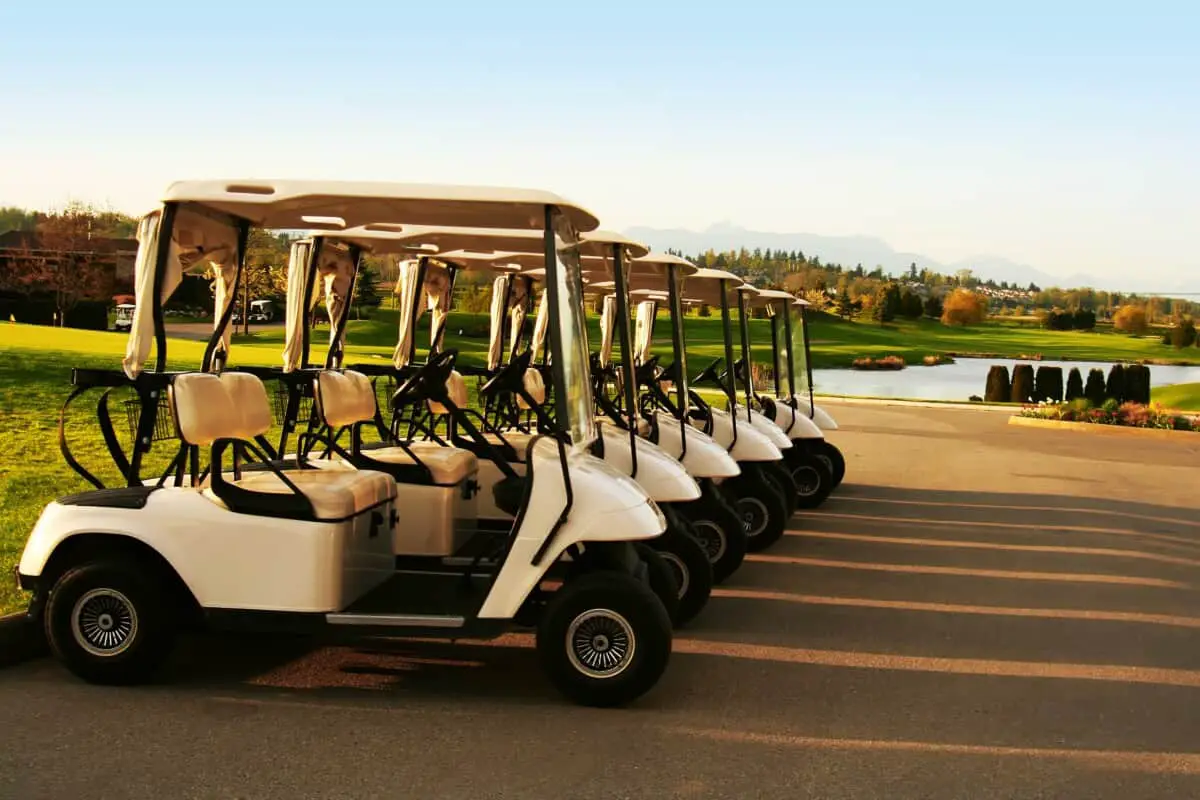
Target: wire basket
[(164, 421), (280, 402)]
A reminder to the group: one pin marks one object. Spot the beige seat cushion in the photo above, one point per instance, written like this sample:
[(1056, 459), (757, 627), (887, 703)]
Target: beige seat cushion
[(335, 494), (520, 441), (345, 398), (535, 386), (456, 387), (448, 465)]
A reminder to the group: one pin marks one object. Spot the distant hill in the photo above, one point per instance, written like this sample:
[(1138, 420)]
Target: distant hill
[(871, 251)]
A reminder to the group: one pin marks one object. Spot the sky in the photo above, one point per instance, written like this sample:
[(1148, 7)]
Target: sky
[(1061, 135)]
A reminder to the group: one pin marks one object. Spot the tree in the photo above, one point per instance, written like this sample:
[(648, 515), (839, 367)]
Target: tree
[(1184, 334), (844, 307), (1131, 319), (1074, 385), (964, 307), (366, 290), (911, 306), (886, 304), (933, 307), (1094, 389)]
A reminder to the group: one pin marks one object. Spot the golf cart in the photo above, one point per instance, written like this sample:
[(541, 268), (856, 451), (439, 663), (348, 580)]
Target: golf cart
[(679, 567), (251, 541), (789, 403), (124, 318), (764, 494), (262, 311)]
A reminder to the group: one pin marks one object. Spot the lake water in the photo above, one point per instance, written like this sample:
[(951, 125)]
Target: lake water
[(963, 378)]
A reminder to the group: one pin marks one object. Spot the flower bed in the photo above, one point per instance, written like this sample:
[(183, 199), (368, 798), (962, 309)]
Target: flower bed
[(934, 360), (1129, 415), (887, 362)]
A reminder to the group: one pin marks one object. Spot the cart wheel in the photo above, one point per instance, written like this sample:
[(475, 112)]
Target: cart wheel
[(762, 510), (826, 451), (604, 639), (718, 528), (685, 557), (110, 622), (813, 479), (781, 480), (664, 581)]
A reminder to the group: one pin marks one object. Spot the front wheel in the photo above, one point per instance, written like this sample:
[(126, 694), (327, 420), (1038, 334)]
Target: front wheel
[(826, 451), (681, 551), (783, 482), (813, 479), (109, 622), (717, 527), (762, 510), (604, 639)]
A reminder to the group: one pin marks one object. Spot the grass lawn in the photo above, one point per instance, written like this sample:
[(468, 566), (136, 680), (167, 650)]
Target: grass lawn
[(35, 379), (1181, 396)]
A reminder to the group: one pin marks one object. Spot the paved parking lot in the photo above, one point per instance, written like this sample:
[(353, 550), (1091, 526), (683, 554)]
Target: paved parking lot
[(982, 611)]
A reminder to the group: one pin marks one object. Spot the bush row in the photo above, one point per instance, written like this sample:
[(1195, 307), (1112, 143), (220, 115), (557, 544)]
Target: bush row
[(1126, 383)]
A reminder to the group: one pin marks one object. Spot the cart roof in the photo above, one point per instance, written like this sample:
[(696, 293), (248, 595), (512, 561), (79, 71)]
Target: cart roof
[(338, 205), (602, 241)]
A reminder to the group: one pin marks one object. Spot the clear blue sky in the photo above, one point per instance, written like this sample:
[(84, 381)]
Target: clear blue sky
[(1063, 135)]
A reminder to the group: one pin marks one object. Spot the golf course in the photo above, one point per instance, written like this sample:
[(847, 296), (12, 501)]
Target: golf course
[(35, 380)]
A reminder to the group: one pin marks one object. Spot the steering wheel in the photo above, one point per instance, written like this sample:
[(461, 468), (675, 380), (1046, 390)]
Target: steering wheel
[(511, 376), (709, 372), (647, 373), (429, 379)]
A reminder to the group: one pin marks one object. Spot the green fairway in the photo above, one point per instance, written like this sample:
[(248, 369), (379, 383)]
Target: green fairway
[(35, 379), (1181, 396)]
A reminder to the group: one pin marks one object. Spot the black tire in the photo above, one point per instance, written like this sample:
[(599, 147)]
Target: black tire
[(780, 477), (718, 528), (762, 510), (813, 479), (110, 622), (596, 618), (687, 559), (662, 579), (833, 458)]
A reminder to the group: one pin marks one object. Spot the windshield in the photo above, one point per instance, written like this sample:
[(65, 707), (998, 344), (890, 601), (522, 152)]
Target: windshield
[(677, 343), (575, 393), (783, 350), (799, 352)]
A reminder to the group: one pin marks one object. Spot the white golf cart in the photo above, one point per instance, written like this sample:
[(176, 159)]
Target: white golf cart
[(764, 493), (124, 317), (786, 396), (680, 571), (272, 546)]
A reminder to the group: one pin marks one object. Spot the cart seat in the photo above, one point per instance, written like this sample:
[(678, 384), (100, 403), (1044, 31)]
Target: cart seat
[(518, 439), (456, 387), (210, 409), (335, 494), (448, 465)]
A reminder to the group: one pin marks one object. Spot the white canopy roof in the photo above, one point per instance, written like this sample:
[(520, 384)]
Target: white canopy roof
[(337, 205)]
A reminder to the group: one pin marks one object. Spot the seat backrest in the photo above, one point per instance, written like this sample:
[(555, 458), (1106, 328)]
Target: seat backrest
[(209, 407), (456, 387), (345, 398), (535, 386)]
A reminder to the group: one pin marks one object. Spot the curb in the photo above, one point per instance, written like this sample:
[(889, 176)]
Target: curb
[(887, 401), (1110, 430), (20, 639)]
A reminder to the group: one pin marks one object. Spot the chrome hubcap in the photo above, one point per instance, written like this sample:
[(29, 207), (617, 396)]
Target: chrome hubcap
[(754, 515), (104, 622), (681, 572), (711, 538), (807, 481), (600, 643)]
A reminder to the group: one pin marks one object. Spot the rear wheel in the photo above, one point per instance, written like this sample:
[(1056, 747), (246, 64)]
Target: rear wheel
[(604, 639), (718, 528), (110, 622), (762, 510), (813, 479), (680, 549)]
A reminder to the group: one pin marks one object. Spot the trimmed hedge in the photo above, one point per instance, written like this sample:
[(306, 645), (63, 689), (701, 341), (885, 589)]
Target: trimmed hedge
[(1022, 384), (1074, 385), (1094, 389), (1115, 388), (1049, 384), (998, 390), (1137, 384)]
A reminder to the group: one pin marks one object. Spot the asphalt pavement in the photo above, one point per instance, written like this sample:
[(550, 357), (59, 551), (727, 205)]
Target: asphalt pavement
[(981, 611)]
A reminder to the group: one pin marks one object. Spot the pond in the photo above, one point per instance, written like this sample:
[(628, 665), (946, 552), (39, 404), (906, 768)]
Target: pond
[(963, 378)]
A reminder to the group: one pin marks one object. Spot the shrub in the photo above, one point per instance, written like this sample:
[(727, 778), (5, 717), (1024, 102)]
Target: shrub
[(1184, 334), (1094, 389), (998, 390), (1114, 389), (1022, 384), (1137, 383), (1074, 385), (1084, 320), (1048, 384), (964, 307), (933, 307)]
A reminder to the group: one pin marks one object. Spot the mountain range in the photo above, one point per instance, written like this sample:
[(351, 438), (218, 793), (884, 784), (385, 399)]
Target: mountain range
[(871, 252)]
